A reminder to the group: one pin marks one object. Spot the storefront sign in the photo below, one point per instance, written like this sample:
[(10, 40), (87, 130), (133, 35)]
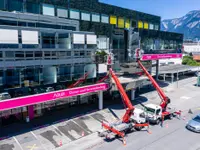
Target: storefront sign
[(41, 98), (160, 56)]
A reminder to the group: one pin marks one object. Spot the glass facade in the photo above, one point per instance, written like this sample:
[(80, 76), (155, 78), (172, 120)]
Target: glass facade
[(15, 5), (33, 8)]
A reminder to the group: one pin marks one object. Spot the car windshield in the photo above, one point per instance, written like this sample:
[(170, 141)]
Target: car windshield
[(197, 118), (150, 110)]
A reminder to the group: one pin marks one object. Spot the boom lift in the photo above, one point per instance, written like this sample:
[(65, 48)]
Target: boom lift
[(157, 112), (120, 127)]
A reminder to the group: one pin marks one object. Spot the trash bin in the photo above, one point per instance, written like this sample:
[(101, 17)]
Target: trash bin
[(198, 81), (27, 119)]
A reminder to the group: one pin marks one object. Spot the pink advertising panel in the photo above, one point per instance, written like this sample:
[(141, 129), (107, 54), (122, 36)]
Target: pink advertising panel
[(160, 56), (40, 98)]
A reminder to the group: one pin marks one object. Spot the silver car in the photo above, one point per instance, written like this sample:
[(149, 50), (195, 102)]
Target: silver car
[(194, 124)]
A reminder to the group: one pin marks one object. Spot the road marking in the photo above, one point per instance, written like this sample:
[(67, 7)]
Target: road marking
[(185, 97), (32, 147), (38, 139), (17, 142)]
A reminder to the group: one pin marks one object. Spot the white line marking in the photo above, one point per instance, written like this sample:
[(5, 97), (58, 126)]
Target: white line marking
[(38, 139), (185, 97), (17, 142)]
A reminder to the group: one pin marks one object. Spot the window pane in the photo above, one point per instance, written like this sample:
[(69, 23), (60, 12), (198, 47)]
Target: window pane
[(2, 5), (113, 20), (1, 55), (64, 41), (85, 16), (62, 54), (120, 22), (127, 24), (156, 27), (82, 53), (15, 5), (9, 54), (47, 53), (104, 19), (134, 24), (95, 17), (140, 24), (38, 54), (74, 14), (76, 53), (151, 26), (29, 54), (146, 25), (62, 13), (32, 8), (69, 54), (19, 54), (48, 10), (48, 40)]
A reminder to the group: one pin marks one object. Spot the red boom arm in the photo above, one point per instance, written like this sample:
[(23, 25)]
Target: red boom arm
[(165, 99), (130, 108)]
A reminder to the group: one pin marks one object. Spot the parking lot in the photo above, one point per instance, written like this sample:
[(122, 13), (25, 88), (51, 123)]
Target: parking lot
[(68, 134)]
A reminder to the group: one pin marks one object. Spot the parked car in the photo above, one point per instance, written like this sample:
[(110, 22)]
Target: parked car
[(194, 124), (49, 89), (36, 90), (4, 95)]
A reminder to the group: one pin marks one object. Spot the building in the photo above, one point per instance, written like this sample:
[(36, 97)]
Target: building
[(44, 43)]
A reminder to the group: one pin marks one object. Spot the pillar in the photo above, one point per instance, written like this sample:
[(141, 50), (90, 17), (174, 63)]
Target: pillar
[(132, 94), (157, 69), (164, 76), (31, 112), (172, 76), (100, 95)]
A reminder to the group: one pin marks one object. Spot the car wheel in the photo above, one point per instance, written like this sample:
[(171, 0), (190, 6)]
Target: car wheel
[(158, 121)]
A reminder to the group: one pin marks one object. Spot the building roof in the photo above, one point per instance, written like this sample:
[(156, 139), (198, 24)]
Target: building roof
[(174, 69)]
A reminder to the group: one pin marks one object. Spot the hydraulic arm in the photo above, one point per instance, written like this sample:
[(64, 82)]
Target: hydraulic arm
[(165, 99)]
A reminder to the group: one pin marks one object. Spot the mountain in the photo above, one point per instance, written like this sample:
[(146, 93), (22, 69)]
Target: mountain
[(189, 25)]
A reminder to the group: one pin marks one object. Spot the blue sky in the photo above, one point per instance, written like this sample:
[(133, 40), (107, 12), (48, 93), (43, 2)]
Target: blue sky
[(167, 9)]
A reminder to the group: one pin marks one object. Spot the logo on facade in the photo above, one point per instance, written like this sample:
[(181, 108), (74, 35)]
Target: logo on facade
[(58, 95)]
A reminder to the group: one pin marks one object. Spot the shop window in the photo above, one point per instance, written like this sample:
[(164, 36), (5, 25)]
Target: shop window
[(151, 26), (146, 25), (62, 13), (104, 19), (120, 22), (113, 20), (15, 5), (95, 17), (32, 8), (74, 14), (48, 9), (127, 24), (140, 24), (85, 16)]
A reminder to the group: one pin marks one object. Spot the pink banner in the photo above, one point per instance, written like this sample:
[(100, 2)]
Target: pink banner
[(41, 98), (160, 56)]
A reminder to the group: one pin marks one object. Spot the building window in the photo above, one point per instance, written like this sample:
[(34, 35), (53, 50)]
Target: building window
[(88, 53), (151, 26), (47, 54), (15, 5), (95, 17), (38, 54), (140, 24), (1, 55), (32, 8), (156, 27), (2, 5), (19, 54), (29, 54), (104, 19), (48, 40), (74, 14), (48, 9), (78, 71), (9, 54), (82, 53), (120, 22), (62, 13), (69, 53), (62, 53), (76, 53), (113, 20), (64, 41), (85, 16), (127, 24), (146, 25)]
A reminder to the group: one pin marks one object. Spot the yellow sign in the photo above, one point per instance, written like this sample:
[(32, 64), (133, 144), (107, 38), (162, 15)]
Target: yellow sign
[(120, 22), (146, 25), (140, 24), (127, 24), (33, 147)]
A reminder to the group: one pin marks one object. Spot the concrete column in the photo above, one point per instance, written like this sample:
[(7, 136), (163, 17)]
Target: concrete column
[(157, 69), (172, 77), (100, 95), (164, 77), (132, 94)]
